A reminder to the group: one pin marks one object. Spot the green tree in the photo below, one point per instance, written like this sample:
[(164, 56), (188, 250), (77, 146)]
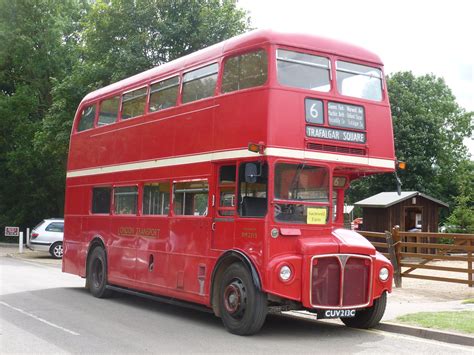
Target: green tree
[(37, 40), (54, 52), (429, 128), (461, 220)]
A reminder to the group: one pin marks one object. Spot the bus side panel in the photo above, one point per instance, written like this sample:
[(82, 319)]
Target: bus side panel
[(73, 243), (73, 247), (192, 131), (189, 245), (156, 135), (241, 118), (121, 247), (249, 237), (152, 251)]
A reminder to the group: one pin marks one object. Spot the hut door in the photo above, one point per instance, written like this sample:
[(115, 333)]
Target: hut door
[(413, 219)]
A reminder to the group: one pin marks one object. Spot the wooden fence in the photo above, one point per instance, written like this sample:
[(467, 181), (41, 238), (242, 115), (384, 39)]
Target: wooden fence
[(409, 251)]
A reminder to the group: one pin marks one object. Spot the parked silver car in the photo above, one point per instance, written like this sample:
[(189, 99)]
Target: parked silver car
[(48, 236)]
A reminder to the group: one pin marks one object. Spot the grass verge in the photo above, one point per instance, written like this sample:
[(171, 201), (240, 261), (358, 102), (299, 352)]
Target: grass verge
[(459, 321), (469, 300)]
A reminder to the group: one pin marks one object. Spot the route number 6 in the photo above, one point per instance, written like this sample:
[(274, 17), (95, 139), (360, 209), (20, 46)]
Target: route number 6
[(313, 111)]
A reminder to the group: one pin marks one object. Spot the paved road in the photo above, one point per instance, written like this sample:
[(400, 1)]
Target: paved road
[(45, 311)]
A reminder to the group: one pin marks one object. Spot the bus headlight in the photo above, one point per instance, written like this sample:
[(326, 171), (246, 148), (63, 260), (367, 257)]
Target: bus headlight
[(285, 273), (383, 274)]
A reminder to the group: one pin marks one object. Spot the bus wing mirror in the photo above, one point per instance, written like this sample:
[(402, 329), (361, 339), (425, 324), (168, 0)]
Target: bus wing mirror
[(251, 173)]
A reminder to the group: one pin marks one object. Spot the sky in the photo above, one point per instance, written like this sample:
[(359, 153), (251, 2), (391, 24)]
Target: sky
[(418, 35)]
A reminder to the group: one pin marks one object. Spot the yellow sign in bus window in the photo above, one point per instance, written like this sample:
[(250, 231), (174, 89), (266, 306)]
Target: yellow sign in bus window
[(316, 215)]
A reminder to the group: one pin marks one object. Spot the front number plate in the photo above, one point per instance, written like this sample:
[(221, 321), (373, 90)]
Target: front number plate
[(336, 313)]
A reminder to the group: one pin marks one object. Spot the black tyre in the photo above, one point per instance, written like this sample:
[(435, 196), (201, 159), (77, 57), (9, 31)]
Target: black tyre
[(243, 307), (369, 317), (97, 273), (56, 250)]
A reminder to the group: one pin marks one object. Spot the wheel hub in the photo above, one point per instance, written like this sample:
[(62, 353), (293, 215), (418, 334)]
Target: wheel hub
[(235, 298), (97, 272), (58, 251)]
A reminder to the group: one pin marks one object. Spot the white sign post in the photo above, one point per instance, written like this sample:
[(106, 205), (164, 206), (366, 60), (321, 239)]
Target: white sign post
[(21, 243)]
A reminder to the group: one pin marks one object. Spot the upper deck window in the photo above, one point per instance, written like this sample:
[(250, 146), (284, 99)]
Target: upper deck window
[(303, 70), (200, 83), (108, 111), (245, 71), (133, 103), (164, 94), (359, 81), (87, 118)]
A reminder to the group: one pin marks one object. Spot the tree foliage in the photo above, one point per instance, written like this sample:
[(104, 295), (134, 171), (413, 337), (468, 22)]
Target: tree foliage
[(461, 220), (429, 128), (54, 52)]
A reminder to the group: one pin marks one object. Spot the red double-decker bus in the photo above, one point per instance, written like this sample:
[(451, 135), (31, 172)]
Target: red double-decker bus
[(218, 180)]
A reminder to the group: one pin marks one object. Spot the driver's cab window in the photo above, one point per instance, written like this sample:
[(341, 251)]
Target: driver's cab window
[(253, 186)]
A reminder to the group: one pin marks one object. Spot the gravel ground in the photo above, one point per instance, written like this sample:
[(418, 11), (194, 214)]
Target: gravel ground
[(436, 290)]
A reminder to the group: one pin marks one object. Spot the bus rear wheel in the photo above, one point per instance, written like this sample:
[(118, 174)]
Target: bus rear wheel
[(369, 317), (97, 273), (243, 307)]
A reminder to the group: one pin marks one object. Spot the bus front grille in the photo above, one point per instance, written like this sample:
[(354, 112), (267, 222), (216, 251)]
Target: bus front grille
[(340, 281)]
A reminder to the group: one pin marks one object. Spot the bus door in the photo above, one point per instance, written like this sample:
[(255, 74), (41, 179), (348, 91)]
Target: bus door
[(224, 200)]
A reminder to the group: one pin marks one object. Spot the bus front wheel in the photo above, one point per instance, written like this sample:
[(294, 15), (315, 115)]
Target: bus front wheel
[(97, 273), (243, 307), (369, 317)]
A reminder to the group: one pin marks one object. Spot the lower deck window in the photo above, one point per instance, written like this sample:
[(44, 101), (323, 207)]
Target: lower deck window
[(101, 199), (125, 200), (191, 198), (156, 199)]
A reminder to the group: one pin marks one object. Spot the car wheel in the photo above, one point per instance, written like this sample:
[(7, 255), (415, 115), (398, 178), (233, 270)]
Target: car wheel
[(56, 250), (243, 307), (369, 317), (97, 273)]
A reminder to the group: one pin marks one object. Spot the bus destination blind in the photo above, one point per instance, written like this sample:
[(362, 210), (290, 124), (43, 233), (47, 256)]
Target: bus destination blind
[(346, 116), (335, 134)]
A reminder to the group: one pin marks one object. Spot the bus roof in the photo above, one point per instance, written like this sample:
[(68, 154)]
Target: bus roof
[(248, 39)]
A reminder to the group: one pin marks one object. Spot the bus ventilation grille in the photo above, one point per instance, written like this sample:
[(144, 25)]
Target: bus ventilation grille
[(327, 290), (336, 149)]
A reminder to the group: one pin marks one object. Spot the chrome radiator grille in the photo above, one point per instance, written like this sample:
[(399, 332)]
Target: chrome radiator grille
[(341, 281)]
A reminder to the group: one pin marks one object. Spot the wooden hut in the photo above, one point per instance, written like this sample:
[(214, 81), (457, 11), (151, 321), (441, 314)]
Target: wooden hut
[(412, 211)]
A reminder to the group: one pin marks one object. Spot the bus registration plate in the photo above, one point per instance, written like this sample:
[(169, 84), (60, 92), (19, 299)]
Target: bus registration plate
[(336, 313)]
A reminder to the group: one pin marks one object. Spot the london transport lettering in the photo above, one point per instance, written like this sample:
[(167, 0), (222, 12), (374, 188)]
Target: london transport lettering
[(142, 232), (335, 134)]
